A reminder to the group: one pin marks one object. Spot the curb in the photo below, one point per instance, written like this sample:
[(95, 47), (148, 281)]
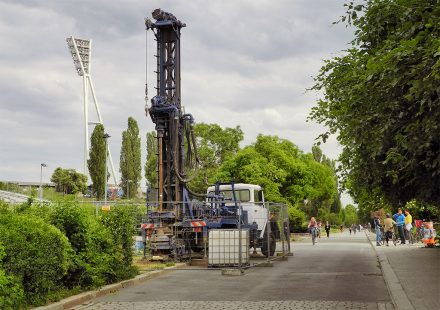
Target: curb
[(76, 300), (398, 296)]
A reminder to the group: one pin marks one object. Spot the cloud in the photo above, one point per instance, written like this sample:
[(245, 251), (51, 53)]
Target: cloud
[(244, 63)]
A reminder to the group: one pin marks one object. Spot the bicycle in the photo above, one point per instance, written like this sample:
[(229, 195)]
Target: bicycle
[(410, 236), (313, 233)]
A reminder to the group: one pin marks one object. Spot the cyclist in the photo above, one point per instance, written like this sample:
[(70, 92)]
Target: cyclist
[(313, 225), (388, 227)]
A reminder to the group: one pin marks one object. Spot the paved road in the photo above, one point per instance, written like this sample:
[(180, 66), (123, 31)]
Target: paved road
[(337, 273)]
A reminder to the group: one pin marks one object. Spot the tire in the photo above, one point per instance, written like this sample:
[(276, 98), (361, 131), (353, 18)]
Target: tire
[(272, 245)]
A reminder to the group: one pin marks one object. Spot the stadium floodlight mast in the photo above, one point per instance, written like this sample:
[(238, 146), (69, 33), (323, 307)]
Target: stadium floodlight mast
[(80, 49)]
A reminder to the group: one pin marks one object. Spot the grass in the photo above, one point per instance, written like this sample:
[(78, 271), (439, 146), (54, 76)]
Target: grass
[(148, 265)]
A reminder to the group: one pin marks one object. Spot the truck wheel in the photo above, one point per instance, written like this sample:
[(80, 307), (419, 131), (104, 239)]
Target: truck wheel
[(272, 245)]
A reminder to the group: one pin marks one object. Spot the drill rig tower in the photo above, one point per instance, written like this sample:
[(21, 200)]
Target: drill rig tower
[(175, 139)]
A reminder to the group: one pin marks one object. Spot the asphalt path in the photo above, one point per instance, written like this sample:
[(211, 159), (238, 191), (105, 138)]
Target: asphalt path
[(341, 272)]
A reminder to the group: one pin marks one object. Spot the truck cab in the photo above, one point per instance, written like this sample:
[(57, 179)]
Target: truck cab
[(251, 199)]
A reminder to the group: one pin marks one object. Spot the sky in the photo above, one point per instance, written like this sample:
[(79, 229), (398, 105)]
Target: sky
[(244, 62)]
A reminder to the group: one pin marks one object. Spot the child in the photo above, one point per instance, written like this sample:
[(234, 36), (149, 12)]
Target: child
[(428, 235)]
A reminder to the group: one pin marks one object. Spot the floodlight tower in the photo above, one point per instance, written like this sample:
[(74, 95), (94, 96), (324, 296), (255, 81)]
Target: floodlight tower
[(80, 49)]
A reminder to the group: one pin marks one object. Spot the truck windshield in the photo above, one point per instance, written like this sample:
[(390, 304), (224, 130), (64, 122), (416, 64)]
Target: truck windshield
[(242, 195)]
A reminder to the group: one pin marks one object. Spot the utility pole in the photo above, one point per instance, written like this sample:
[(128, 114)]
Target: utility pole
[(40, 196)]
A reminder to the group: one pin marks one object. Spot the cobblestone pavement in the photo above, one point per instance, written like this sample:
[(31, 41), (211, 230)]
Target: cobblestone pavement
[(238, 305)]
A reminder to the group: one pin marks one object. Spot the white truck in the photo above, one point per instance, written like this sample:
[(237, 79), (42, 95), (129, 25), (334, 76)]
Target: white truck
[(250, 199)]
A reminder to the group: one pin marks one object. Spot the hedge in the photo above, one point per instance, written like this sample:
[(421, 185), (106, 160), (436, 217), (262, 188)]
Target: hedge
[(36, 255)]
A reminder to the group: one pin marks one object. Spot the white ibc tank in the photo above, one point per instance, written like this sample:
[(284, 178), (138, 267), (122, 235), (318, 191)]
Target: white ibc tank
[(224, 247)]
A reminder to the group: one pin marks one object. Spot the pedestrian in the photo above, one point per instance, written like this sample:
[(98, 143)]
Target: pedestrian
[(377, 227), (349, 229), (327, 229), (319, 229), (428, 234), (408, 224), (354, 228), (388, 224), (400, 220)]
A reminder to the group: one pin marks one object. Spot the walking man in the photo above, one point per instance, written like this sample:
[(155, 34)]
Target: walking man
[(377, 227), (327, 229), (400, 220)]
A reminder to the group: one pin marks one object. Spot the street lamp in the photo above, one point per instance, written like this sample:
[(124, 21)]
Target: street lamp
[(41, 180), (106, 136)]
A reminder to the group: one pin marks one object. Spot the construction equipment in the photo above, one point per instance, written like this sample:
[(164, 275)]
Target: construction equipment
[(178, 226)]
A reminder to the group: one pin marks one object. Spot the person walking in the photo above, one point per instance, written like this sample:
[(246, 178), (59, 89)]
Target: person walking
[(377, 227), (400, 220), (408, 224), (388, 224), (327, 229)]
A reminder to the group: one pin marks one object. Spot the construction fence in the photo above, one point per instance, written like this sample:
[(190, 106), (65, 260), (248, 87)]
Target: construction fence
[(254, 233)]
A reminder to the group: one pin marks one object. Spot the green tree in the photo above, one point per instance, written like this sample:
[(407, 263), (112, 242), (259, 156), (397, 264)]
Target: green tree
[(214, 146), (382, 100), (317, 153), (69, 181), (284, 171), (96, 163), (130, 160), (151, 162), (351, 216)]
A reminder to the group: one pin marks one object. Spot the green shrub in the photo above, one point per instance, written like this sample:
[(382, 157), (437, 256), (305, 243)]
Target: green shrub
[(296, 217), (11, 291), (36, 255), (91, 244), (120, 221)]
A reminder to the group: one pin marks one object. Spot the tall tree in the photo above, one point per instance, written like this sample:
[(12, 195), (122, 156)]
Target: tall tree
[(151, 162), (130, 160), (382, 99), (96, 162), (317, 153)]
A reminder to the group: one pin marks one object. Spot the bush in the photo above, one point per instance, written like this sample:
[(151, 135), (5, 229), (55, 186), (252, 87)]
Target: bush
[(91, 243), (121, 224), (296, 218), (36, 255), (102, 246), (11, 290)]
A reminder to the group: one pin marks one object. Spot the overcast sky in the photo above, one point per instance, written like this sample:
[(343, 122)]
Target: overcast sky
[(244, 63)]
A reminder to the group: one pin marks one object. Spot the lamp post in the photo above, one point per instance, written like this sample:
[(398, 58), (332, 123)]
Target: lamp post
[(41, 180), (106, 136)]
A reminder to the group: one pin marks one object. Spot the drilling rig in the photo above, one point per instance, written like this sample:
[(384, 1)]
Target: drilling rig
[(178, 226), (176, 152)]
